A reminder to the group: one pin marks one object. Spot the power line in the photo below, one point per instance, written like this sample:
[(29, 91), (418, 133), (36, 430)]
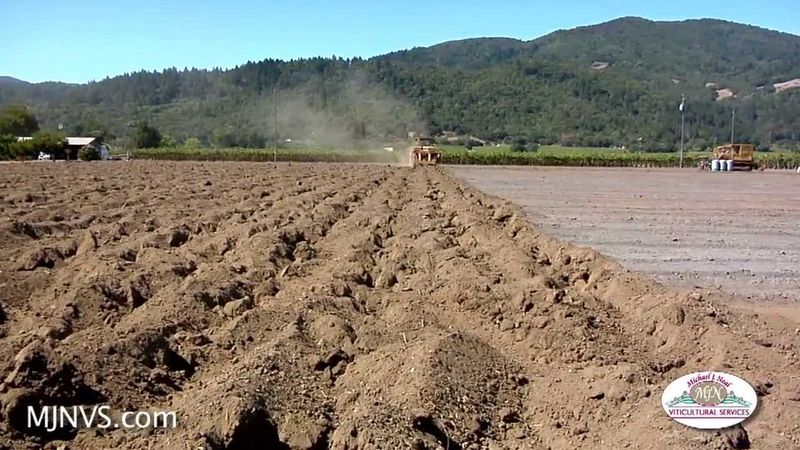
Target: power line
[(275, 123), (683, 115)]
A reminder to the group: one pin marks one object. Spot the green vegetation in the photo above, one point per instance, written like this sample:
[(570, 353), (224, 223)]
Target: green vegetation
[(147, 136), (610, 85), (519, 151), (596, 157), (18, 120), (42, 142), (268, 155), (562, 156), (503, 155), (89, 153), (7, 142), (15, 121)]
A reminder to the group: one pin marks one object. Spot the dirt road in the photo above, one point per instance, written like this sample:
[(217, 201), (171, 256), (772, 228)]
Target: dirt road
[(347, 307), (737, 232)]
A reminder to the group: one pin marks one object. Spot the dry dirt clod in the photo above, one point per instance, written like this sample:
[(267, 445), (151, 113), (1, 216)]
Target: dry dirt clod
[(597, 395), (237, 307), (736, 438), (299, 432), (763, 342), (418, 444), (677, 315), (128, 254), (508, 415), (581, 428), (540, 322), (696, 296), (477, 426), (139, 291), (555, 296), (501, 215), (763, 388), (33, 356), (332, 360), (59, 329), (46, 257), (87, 244), (179, 236), (506, 325)]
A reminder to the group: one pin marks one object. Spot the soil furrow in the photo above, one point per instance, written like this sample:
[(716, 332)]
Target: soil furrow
[(349, 307)]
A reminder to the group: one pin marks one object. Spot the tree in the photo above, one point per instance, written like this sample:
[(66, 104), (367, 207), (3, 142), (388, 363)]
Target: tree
[(146, 136), (47, 142), (168, 142), (7, 142), (17, 120), (491, 89), (42, 142), (519, 144), (89, 153), (94, 128), (192, 143)]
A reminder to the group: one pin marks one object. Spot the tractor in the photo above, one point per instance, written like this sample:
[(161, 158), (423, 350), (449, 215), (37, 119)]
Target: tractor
[(424, 152)]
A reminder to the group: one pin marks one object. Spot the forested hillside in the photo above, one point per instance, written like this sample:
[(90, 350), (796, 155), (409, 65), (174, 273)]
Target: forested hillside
[(613, 84)]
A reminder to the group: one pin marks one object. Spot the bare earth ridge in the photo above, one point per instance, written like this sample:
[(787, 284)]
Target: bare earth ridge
[(348, 307)]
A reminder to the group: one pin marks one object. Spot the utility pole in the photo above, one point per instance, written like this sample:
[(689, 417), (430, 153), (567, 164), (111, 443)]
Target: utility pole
[(683, 122), (275, 123), (733, 124)]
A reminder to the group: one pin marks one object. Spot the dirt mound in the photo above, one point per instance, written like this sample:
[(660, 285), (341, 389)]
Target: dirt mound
[(344, 307), (787, 85)]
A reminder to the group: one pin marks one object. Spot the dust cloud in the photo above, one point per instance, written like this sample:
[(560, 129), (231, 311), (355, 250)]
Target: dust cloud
[(351, 114)]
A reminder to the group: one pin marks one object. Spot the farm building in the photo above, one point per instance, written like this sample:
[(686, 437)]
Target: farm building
[(74, 144)]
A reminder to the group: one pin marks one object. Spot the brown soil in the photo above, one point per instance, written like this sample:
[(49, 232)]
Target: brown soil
[(348, 307), (785, 86), (722, 94), (733, 232)]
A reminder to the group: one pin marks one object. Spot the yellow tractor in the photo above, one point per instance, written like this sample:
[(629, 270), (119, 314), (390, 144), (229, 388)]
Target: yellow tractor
[(742, 156), (424, 153)]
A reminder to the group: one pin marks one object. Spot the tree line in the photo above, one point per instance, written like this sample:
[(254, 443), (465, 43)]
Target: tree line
[(21, 138), (546, 91)]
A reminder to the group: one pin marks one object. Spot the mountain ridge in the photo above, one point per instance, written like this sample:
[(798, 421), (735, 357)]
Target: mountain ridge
[(469, 40), (615, 83)]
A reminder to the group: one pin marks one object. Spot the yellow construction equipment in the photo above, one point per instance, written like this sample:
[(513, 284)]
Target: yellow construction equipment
[(742, 155), (424, 152)]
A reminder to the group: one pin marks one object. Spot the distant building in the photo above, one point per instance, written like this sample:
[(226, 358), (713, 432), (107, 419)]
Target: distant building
[(74, 144)]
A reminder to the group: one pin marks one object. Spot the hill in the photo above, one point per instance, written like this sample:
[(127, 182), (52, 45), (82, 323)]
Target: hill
[(694, 51), (10, 80), (616, 83)]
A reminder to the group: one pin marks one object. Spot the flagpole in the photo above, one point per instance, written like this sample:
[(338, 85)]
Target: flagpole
[(683, 102)]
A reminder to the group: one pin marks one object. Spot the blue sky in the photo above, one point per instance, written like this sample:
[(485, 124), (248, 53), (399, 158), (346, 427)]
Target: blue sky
[(82, 40)]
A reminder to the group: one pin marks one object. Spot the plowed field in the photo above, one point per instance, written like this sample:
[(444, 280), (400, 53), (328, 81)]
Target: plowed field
[(737, 232), (347, 307)]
